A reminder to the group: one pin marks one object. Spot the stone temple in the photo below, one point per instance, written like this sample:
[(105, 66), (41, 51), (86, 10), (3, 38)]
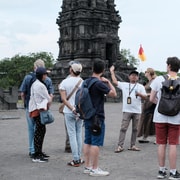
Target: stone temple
[(88, 31)]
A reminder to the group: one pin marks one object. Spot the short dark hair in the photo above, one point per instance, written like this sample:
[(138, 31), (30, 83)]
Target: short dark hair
[(98, 66), (174, 63)]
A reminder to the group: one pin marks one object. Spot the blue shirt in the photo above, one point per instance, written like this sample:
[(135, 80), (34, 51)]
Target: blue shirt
[(26, 86)]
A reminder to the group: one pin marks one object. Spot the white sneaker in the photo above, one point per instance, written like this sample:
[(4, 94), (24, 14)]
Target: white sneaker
[(39, 159), (87, 170), (98, 172)]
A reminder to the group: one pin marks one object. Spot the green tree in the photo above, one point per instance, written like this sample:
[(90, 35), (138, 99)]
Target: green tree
[(13, 70), (128, 58)]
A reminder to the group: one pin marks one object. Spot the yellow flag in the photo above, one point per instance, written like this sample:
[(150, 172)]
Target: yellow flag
[(141, 54)]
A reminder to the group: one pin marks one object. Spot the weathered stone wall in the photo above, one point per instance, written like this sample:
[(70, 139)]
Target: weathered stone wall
[(8, 98), (88, 31)]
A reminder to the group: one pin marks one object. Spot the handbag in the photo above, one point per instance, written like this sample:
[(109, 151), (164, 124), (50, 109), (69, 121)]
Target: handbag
[(46, 117), (96, 126), (61, 107)]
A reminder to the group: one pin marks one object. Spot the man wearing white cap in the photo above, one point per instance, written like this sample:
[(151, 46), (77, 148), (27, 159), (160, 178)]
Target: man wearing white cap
[(67, 143), (72, 121)]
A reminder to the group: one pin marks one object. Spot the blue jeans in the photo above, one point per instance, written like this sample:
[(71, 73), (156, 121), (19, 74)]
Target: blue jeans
[(74, 129), (31, 129)]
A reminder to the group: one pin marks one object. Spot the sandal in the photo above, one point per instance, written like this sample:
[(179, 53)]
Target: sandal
[(81, 161), (119, 149), (73, 163), (134, 148)]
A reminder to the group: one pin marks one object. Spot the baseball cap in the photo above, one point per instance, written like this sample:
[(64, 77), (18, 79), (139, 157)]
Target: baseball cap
[(76, 67), (134, 72), (71, 62), (41, 71)]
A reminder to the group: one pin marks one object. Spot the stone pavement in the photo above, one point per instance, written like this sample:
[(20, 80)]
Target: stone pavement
[(16, 165)]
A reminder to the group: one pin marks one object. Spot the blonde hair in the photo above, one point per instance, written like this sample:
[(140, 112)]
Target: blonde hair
[(151, 72), (39, 63)]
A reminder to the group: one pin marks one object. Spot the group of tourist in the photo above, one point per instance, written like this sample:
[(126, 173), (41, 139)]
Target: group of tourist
[(139, 107)]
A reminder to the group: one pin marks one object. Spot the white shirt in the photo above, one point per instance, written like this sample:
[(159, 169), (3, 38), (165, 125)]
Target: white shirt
[(68, 85), (156, 85), (129, 90), (39, 96)]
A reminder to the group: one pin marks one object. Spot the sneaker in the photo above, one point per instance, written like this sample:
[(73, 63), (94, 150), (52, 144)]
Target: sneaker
[(67, 150), (31, 155), (45, 156), (174, 176), (87, 170), (98, 172), (144, 140), (39, 159), (162, 175)]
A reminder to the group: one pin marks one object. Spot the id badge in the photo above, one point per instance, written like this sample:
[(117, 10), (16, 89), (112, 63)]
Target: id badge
[(128, 100)]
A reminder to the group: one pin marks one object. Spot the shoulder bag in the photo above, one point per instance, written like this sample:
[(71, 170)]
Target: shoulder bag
[(61, 107), (46, 117)]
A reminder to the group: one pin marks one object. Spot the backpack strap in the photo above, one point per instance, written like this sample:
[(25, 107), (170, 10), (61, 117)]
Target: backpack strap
[(165, 76), (92, 82)]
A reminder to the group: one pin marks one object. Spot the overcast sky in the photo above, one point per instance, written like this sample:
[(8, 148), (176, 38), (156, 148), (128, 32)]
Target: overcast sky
[(30, 26)]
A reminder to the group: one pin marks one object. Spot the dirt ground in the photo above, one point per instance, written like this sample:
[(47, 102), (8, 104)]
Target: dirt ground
[(15, 163)]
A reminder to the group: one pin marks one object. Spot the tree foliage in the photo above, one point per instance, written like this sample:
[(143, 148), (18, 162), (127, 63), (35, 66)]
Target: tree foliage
[(13, 70), (128, 58)]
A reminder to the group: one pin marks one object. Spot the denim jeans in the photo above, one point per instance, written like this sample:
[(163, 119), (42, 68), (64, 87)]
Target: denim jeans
[(31, 129), (74, 128)]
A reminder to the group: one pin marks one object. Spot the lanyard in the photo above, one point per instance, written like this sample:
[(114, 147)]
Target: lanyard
[(131, 89)]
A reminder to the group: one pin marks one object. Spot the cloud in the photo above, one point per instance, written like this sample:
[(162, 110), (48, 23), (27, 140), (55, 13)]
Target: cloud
[(39, 42), (28, 26)]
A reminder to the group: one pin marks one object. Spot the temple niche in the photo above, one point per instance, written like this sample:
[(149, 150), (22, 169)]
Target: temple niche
[(88, 31)]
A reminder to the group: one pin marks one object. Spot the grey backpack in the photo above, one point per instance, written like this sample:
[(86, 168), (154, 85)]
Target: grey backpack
[(169, 103)]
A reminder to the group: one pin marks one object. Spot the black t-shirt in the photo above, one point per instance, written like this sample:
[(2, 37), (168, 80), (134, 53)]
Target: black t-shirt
[(97, 92)]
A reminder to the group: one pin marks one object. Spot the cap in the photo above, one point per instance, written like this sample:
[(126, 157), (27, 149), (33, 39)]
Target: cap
[(71, 62), (134, 72), (76, 67), (41, 71)]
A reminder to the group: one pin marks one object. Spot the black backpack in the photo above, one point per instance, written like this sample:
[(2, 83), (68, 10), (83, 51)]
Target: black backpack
[(169, 103)]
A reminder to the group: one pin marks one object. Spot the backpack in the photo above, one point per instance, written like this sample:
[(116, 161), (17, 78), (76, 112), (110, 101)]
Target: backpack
[(28, 88), (83, 101), (169, 103)]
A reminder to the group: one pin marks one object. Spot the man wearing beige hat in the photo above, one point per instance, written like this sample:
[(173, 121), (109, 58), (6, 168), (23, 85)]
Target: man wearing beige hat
[(72, 121), (25, 96)]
